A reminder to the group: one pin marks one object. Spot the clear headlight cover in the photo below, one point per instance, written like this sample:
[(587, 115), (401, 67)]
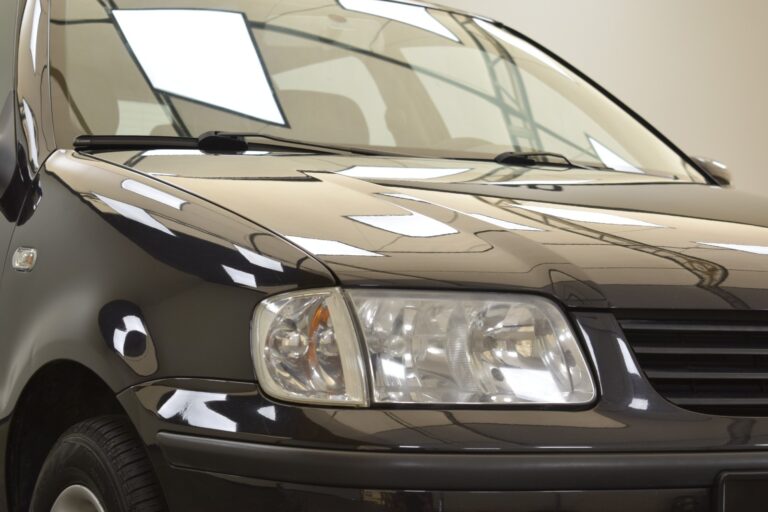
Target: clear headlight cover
[(470, 348), (422, 348), (305, 349)]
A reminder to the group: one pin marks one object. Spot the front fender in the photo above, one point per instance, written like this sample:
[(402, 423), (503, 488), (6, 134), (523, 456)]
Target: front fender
[(137, 281)]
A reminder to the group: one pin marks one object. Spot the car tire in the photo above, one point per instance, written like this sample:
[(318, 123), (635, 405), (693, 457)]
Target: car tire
[(98, 465)]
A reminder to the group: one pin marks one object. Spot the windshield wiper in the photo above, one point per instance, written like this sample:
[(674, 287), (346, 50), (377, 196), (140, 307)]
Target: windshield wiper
[(214, 140), (131, 142), (545, 158), (217, 143), (533, 158)]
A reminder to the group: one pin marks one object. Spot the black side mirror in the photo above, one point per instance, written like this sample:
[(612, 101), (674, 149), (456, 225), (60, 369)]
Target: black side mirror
[(8, 152), (717, 170)]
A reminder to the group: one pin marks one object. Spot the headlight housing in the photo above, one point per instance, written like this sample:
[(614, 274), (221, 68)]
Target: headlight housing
[(446, 348), (305, 349)]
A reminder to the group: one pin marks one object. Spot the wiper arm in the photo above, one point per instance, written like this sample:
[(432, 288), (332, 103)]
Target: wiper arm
[(217, 143), (212, 140), (528, 159)]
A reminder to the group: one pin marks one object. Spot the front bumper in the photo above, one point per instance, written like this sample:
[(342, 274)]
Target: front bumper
[(198, 491), (324, 480), (224, 446), (455, 472)]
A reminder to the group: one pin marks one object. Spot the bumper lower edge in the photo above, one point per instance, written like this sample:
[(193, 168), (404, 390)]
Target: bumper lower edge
[(451, 472)]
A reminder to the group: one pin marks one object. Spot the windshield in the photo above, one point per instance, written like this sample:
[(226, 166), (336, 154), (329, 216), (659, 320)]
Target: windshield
[(368, 73)]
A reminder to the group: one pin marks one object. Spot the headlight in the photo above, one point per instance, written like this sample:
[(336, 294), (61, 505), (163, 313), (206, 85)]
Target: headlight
[(422, 348), (305, 349)]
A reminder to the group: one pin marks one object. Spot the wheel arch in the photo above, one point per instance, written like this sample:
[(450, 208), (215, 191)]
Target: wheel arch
[(57, 396)]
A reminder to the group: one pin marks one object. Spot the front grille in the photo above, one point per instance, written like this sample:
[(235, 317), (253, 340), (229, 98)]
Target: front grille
[(705, 363)]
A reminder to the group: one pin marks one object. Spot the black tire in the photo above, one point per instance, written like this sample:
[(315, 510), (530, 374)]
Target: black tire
[(106, 456)]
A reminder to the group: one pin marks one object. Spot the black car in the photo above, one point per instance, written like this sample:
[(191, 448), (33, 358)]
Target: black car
[(359, 255)]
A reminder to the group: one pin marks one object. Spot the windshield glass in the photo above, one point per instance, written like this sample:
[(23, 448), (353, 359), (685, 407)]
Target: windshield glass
[(377, 74)]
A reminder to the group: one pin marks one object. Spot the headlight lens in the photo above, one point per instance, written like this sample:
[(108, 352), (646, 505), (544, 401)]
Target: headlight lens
[(470, 348), (305, 349), (422, 348)]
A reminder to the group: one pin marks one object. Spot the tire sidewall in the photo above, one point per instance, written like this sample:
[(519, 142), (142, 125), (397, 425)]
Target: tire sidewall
[(77, 460)]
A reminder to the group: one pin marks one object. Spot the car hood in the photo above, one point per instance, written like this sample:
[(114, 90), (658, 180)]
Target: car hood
[(625, 242)]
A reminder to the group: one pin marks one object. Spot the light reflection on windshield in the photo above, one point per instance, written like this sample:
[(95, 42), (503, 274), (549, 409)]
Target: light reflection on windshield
[(399, 77), (204, 55), (524, 46), (611, 159), (409, 14)]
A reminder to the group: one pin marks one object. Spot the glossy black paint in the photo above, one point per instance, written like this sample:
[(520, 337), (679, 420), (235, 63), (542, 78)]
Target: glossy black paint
[(95, 257), (630, 416), (576, 242), (150, 268), (124, 329)]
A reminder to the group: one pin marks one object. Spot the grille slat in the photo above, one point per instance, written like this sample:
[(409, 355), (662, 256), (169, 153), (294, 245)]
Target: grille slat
[(646, 325), (692, 401), (695, 375), (707, 362), (721, 351)]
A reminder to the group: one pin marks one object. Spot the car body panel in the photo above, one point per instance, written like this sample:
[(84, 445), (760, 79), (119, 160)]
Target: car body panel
[(195, 287), (629, 417), (150, 266), (620, 245), (199, 491)]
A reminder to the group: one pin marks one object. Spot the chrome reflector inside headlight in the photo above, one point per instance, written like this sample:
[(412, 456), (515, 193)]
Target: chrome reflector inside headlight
[(305, 349), (422, 348), (470, 348)]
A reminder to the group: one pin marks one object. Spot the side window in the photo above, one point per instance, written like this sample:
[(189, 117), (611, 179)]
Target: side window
[(7, 68), (8, 18), (7, 44)]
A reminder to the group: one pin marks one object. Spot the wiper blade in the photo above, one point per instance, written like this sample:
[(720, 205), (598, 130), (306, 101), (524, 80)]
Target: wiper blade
[(210, 142), (217, 142), (131, 142), (528, 159)]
